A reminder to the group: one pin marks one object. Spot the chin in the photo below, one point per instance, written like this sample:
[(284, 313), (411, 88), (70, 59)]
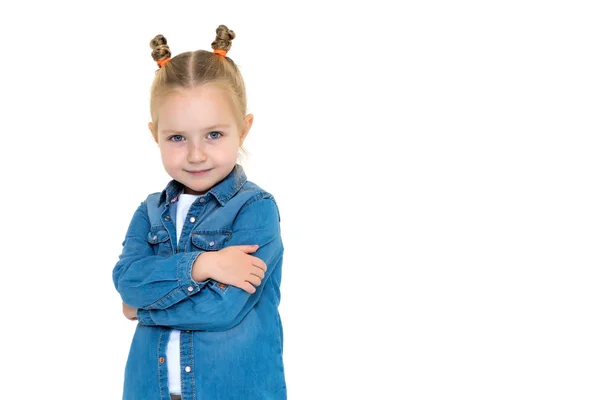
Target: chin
[(199, 189)]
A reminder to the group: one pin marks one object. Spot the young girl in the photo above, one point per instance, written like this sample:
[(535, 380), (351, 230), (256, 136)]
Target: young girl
[(200, 268)]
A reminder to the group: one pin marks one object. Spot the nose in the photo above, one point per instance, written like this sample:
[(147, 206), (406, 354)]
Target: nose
[(196, 153)]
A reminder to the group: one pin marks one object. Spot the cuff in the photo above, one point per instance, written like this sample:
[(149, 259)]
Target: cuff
[(144, 318), (184, 274), (186, 285)]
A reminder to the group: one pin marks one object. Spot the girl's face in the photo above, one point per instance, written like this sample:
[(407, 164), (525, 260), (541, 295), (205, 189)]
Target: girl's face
[(199, 136)]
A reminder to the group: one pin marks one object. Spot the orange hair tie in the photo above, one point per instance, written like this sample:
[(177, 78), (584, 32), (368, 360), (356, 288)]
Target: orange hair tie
[(221, 52), (161, 63)]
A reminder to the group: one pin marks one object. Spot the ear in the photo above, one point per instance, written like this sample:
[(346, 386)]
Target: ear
[(152, 132), (248, 120)]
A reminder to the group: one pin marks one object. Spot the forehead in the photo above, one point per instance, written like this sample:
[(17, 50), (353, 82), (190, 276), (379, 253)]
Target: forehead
[(189, 109)]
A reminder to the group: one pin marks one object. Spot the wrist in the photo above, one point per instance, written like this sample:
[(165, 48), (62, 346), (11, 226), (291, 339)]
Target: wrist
[(201, 268)]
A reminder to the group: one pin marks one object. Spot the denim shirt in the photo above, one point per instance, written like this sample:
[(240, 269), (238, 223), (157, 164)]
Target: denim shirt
[(231, 341)]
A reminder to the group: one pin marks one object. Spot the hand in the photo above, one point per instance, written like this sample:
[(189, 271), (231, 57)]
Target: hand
[(130, 312), (231, 266)]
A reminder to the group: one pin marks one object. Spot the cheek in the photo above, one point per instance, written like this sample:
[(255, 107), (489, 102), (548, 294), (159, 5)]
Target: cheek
[(232, 146), (227, 153), (168, 155)]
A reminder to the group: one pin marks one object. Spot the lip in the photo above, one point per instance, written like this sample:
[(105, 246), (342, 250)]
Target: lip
[(198, 173)]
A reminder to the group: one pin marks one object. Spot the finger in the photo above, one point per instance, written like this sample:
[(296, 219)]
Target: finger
[(257, 262), (258, 272), (248, 248), (253, 279), (247, 286)]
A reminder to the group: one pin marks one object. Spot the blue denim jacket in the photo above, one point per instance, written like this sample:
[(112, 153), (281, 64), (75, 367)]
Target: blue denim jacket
[(231, 341)]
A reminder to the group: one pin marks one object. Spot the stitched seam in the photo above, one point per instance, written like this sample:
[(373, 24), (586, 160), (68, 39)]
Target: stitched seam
[(171, 294), (192, 363), (212, 231), (259, 196), (198, 236), (181, 371), (150, 318), (157, 357)]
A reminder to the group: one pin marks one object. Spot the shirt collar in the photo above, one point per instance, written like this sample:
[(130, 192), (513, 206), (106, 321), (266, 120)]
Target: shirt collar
[(222, 191)]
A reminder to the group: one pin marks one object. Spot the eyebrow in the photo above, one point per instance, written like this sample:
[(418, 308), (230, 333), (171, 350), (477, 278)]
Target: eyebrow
[(208, 128), (217, 126)]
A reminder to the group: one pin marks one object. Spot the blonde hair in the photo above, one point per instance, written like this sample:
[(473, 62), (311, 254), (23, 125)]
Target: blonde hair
[(194, 68)]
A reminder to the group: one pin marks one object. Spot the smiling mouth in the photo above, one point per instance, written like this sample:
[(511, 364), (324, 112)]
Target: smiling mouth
[(198, 172)]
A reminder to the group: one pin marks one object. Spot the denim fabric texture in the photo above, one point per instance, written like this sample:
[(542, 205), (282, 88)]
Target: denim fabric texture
[(231, 341)]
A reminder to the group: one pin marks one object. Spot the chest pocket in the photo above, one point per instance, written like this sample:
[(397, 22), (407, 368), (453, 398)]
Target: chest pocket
[(158, 238), (210, 240)]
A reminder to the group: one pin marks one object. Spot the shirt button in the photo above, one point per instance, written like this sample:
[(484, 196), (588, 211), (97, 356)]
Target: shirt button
[(167, 218), (211, 244), (202, 199), (188, 369), (190, 289), (192, 220), (161, 360), (155, 237)]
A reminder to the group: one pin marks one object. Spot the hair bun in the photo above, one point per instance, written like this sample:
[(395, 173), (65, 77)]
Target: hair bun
[(160, 49), (223, 39)]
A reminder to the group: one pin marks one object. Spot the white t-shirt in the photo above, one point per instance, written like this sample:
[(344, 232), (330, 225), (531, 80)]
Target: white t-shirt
[(173, 353)]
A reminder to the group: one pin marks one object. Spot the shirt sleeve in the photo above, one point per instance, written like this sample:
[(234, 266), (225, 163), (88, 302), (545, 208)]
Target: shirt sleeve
[(147, 281)]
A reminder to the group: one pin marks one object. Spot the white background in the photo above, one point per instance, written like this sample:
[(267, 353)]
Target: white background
[(436, 166)]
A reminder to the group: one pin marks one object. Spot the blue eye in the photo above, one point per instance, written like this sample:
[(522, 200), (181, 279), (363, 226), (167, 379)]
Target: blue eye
[(176, 138), (214, 135)]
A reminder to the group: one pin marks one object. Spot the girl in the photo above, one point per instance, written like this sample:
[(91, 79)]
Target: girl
[(200, 268)]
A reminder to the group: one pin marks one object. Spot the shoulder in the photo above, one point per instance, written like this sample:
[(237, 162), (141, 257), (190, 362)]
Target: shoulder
[(254, 199), (252, 192)]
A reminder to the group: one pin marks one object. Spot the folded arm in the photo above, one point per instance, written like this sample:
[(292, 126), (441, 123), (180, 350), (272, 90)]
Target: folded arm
[(147, 281), (220, 307)]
